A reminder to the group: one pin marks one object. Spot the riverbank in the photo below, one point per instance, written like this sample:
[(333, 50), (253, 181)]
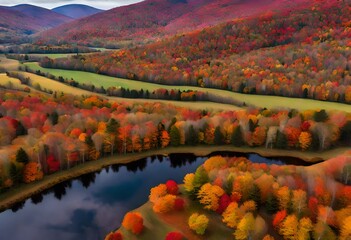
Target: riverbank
[(25, 191)]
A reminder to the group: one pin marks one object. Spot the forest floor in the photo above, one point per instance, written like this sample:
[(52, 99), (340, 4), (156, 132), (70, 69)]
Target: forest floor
[(24, 191)]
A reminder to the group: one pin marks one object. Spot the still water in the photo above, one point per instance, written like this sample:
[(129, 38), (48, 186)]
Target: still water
[(94, 204)]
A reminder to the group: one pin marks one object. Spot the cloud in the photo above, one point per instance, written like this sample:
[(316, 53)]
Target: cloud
[(103, 4)]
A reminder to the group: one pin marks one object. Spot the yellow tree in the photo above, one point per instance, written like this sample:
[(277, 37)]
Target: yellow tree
[(246, 227), (216, 162), (157, 192), (345, 231), (283, 196), (189, 182), (209, 196), (304, 229), (299, 201), (198, 223), (305, 140), (289, 227), (231, 215), (243, 184)]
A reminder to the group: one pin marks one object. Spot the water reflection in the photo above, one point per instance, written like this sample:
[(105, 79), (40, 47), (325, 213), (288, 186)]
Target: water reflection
[(90, 206)]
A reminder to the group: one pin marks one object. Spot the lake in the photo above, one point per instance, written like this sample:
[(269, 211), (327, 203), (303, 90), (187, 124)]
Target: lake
[(94, 204)]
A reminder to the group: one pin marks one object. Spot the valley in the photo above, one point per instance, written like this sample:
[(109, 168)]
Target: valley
[(176, 119)]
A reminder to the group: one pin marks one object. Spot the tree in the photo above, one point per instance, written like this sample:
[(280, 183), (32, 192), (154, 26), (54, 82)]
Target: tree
[(231, 215), (237, 137), (305, 140), (320, 116), (164, 204), (279, 218), (164, 139), (174, 136), (201, 177), (172, 187), (304, 229), (209, 196), (246, 227), (192, 136), (289, 227), (299, 201), (189, 182), (114, 236), (21, 156), (322, 231), (133, 222), (345, 231), (157, 192), (32, 172), (218, 136), (174, 236), (179, 204), (198, 223), (282, 141), (283, 196), (15, 172)]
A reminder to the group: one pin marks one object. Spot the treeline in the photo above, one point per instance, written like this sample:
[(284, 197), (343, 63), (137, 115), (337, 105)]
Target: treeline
[(62, 131), (161, 93), (298, 54), (46, 49)]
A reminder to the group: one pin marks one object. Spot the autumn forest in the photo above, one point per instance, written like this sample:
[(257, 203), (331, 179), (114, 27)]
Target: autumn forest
[(125, 124)]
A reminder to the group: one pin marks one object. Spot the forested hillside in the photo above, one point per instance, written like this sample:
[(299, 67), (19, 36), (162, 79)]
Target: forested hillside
[(303, 53)]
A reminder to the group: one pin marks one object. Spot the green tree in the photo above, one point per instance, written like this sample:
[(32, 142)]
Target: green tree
[(218, 136), (272, 204), (112, 126), (174, 136), (237, 137), (15, 173), (21, 156), (282, 141), (54, 118), (320, 116), (192, 138), (201, 177)]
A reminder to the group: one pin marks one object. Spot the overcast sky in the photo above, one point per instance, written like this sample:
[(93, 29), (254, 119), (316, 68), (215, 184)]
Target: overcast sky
[(102, 4)]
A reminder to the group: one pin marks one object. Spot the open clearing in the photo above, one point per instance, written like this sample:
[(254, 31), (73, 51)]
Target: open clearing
[(8, 64), (257, 100)]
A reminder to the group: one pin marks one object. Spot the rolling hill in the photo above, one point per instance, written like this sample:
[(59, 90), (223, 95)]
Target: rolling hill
[(18, 22), (76, 11), (158, 18)]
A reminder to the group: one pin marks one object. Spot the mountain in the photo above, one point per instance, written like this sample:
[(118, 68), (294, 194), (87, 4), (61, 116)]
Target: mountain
[(76, 10), (45, 17), (22, 20), (158, 18)]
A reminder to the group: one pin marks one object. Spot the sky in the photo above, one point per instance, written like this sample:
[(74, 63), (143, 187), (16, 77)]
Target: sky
[(102, 4)]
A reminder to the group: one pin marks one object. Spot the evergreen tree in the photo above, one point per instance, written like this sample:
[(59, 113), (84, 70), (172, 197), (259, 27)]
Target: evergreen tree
[(21, 156), (320, 116), (112, 126), (218, 136), (54, 118), (15, 173), (174, 135), (251, 126), (237, 137), (272, 204), (282, 141), (255, 195), (192, 138)]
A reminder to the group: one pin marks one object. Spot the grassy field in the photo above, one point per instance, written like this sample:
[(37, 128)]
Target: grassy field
[(49, 84), (25, 191), (258, 100), (8, 64)]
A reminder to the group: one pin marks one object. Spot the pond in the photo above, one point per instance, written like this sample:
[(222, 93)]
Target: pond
[(94, 204)]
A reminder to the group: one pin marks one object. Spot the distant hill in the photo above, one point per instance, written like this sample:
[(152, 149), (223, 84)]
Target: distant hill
[(76, 10), (22, 20), (45, 17), (157, 18)]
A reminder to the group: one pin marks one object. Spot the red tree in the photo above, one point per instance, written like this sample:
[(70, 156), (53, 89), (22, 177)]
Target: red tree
[(174, 236), (224, 201), (179, 204), (172, 187)]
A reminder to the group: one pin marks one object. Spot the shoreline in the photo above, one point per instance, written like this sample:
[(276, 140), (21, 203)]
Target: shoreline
[(25, 191)]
